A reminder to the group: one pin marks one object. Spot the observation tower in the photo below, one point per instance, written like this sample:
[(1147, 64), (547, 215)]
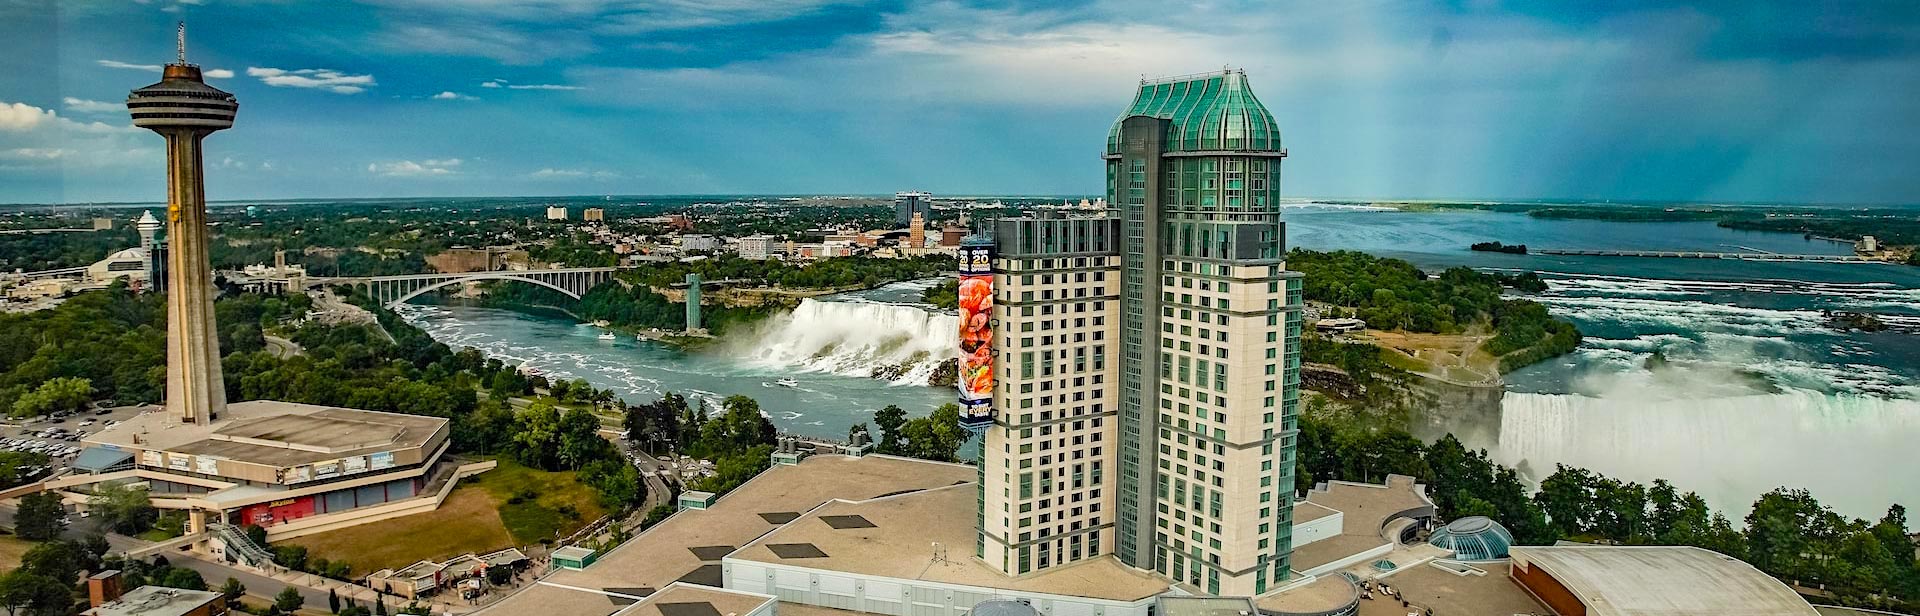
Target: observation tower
[(184, 110)]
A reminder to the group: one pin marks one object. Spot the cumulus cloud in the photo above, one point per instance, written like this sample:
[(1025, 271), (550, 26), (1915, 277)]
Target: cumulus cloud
[(407, 168), (313, 78), (20, 117), (81, 105), (32, 138), (450, 95), (217, 73)]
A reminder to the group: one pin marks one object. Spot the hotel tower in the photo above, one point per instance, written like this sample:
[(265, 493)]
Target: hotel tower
[(1144, 361)]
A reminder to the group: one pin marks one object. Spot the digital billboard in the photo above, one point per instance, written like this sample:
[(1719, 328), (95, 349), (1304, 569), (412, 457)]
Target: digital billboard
[(976, 334)]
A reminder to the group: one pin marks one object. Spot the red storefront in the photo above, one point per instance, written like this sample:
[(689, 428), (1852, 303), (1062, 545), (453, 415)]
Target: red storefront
[(274, 512)]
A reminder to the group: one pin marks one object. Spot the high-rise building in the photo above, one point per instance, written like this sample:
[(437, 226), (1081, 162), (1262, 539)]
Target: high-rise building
[(917, 232), (906, 204), (184, 110), (1149, 356), (593, 214), (556, 212), (150, 242)]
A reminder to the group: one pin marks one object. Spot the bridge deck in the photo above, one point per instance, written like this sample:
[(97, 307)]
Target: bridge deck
[(1682, 254)]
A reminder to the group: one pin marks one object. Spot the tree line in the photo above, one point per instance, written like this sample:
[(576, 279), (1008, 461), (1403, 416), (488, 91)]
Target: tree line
[(1788, 533)]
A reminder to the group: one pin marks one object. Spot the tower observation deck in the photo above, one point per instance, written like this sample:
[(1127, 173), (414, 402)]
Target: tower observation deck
[(184, 110)]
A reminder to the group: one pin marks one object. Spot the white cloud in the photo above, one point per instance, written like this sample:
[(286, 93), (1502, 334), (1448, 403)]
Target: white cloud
[(211, 73), (82, 105), (551, 173), (36, 139), (408, 168), (450, 95), (151, 68), (502, 83), (20, 117), (313, 78)]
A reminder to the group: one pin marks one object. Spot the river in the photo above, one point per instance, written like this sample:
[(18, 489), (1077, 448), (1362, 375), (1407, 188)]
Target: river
[(1837, 412)]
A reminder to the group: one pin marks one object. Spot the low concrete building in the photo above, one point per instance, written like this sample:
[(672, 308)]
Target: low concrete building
[(105, 599), (1595, 580), (290, 468)]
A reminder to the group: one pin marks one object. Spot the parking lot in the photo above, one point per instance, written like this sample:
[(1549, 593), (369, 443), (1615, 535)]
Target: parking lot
[(59, 436)]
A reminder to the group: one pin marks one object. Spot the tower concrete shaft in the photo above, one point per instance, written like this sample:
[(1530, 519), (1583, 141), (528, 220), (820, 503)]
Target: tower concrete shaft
[(184, 110), (196, 390)]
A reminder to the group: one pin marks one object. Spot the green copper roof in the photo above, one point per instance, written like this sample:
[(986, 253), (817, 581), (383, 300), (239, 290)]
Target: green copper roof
[(1212, 111)]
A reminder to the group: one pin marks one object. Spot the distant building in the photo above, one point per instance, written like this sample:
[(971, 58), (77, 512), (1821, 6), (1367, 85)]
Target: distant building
[(677, 221), (917, 232), (950, 235), (462, 260), (127, 263), (103, 224), (696, 241), (593, 214), (755, 247), (1867, 244), (906, 204), (556, 212), (1339, 326)]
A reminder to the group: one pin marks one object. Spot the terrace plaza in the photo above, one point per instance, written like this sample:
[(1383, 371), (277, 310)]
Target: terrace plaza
[(886, 535)]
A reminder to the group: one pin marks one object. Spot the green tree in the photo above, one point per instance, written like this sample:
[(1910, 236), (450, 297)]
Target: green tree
[(890, 419), (25, 593), (1567, 498), (288, 601), (40, 517), (937, 436), (233, 590), (60, 560), (126, 509), (57, 394), (181, 577)]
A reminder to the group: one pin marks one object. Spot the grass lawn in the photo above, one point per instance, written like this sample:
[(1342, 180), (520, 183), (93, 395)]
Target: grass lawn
[(11, 548), (479, 517), (531, 519)]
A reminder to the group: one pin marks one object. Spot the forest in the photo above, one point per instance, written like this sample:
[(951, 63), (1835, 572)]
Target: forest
[(1393, 294)]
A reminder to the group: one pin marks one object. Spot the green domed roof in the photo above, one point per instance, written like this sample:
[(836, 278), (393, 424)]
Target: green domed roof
[(1209, 112)]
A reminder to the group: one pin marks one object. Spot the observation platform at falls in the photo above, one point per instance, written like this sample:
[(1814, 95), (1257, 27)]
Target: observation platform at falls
[(1689, 254)]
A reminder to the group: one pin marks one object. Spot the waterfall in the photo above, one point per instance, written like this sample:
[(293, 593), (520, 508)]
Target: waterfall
[(854, 339), (1853, 452)]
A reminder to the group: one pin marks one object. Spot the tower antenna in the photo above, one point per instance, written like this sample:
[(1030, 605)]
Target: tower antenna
[(180, 41)]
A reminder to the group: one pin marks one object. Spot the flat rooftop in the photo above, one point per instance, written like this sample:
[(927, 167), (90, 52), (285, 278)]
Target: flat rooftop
[(690, 544), (1662, 581), (681, 599), (156, 601), (891, 537), (1365, 510), (275, 433)]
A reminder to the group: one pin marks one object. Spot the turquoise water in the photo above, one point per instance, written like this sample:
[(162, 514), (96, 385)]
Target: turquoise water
[(1760, 393)]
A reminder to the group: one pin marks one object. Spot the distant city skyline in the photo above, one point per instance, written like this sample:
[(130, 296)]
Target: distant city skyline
[(1734, 102)]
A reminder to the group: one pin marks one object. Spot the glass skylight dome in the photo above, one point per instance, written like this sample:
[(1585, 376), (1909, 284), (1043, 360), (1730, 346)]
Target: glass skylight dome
[(1473, 538)]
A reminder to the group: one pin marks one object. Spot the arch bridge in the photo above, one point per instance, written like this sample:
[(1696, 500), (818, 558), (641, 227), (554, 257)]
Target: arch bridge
[(395, 290)]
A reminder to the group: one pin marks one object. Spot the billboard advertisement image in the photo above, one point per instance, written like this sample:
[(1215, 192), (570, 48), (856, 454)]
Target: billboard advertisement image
[(976, 334)]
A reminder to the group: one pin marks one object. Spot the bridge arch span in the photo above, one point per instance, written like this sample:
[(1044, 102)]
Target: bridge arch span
[(480, 276)]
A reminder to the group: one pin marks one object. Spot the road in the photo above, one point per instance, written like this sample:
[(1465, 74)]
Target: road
[(282, 347)]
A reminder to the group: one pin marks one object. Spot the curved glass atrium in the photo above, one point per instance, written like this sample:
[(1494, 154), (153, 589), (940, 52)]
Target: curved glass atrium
[(1473, 538)]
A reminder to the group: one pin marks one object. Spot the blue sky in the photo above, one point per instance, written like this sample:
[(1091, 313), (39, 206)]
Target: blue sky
[(1714, 101)]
